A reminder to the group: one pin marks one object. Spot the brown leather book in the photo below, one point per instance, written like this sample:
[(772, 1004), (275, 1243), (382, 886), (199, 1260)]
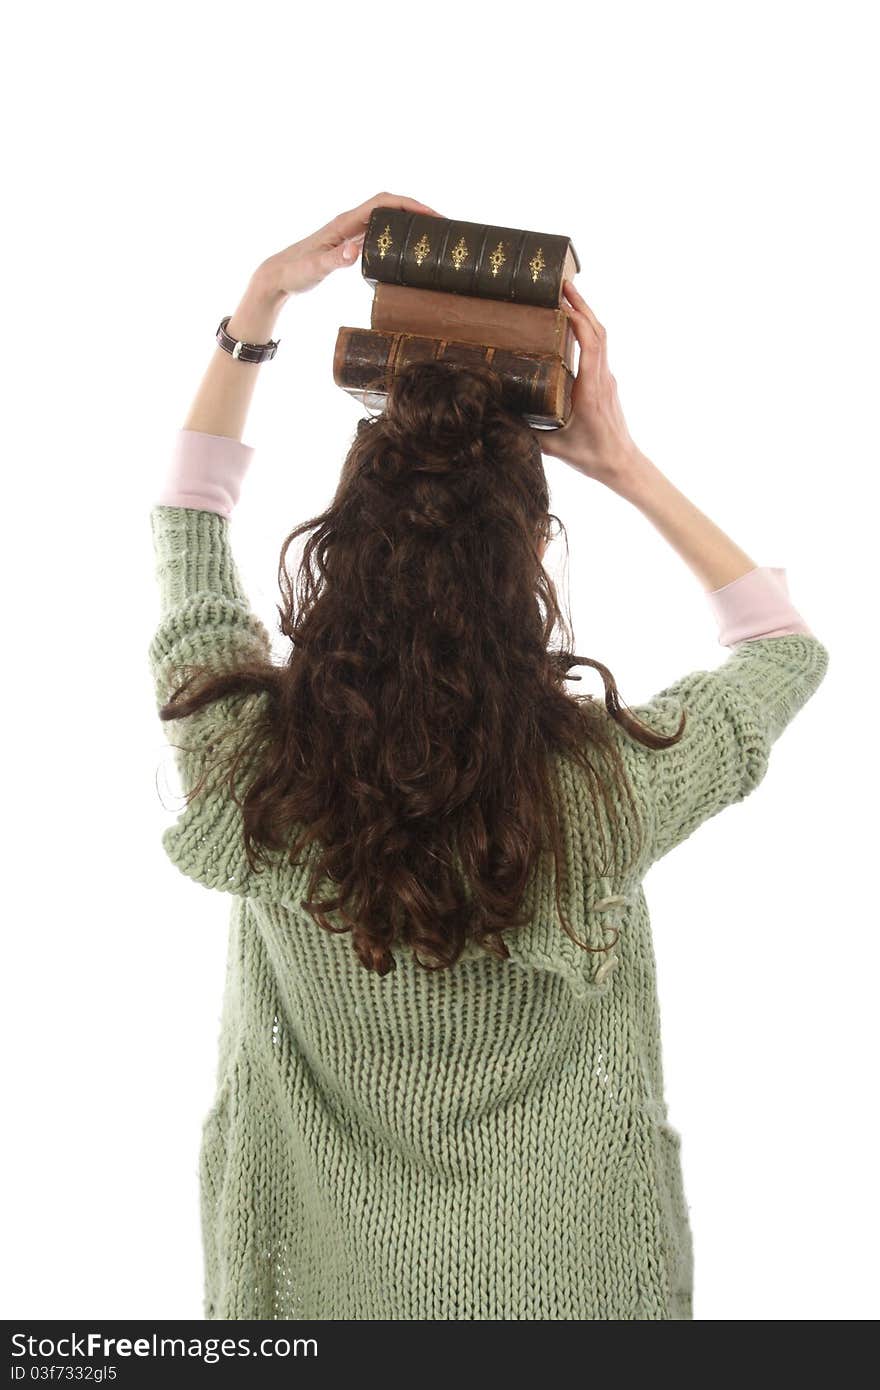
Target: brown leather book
[(472, 258), (536, 385), (491, 322)]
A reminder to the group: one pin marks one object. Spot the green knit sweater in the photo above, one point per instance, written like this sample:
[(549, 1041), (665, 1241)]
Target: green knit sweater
[(485, 1142)]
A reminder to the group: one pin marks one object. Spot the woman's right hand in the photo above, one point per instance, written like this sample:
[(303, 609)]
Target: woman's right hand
[(595, 439)]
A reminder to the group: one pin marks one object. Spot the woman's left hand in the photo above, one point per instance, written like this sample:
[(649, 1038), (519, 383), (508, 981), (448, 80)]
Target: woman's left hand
[(306, 263)]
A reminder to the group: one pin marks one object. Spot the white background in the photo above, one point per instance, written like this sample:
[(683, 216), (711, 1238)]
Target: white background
[(715, 166)]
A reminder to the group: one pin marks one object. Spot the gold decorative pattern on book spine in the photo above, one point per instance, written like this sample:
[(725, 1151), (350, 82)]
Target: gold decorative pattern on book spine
[(421, 248), (459, 253), (537, 263), (385, 241), (497, 258)]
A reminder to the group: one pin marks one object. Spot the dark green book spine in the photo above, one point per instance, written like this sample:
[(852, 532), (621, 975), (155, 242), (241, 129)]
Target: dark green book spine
[(471, 258)]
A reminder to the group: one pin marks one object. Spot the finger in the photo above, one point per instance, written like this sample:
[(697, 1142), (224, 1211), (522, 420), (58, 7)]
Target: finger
[(329, 237), (346, 253), (583, 331), (318, 264), (356, 220), (334, 233), (581, 305), (396, 200)]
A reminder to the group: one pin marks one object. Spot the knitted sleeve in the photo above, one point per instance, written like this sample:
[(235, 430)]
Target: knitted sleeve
[(734, 714), (205, 619)]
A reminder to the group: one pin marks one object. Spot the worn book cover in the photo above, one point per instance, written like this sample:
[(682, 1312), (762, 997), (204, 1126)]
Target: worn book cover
[(537, 386), (491, 322)]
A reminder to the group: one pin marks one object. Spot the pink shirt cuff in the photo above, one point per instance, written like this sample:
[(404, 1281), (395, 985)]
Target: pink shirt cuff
[(755, 605), (206, 471)]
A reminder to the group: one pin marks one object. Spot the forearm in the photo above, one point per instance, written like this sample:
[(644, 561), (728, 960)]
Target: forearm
[(223, 399), (713, 557)]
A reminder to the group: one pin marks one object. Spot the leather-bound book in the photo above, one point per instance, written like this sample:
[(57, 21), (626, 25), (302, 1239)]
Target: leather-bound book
[(535, 385), (491, 322), (472, 258)]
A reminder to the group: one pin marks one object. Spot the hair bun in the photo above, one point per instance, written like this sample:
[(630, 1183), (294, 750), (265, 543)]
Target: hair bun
[(441, 407)]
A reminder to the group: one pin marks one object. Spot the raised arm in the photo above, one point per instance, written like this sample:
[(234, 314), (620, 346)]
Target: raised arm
[(733, 714), (597, 443), (748, 600), (224, 396), (204, 615)]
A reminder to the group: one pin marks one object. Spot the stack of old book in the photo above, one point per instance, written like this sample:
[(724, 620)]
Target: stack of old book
[(464, 292)]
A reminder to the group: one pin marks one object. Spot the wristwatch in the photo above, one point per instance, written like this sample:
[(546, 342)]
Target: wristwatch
[(245, 352)]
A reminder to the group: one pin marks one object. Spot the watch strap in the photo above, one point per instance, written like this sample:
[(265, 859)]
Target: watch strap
[(242, 351)]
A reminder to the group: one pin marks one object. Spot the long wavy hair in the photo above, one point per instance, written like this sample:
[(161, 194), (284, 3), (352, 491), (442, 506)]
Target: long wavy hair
[(408, 733)]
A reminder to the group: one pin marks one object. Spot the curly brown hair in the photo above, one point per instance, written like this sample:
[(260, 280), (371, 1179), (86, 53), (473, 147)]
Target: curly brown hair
[(408, 733)]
